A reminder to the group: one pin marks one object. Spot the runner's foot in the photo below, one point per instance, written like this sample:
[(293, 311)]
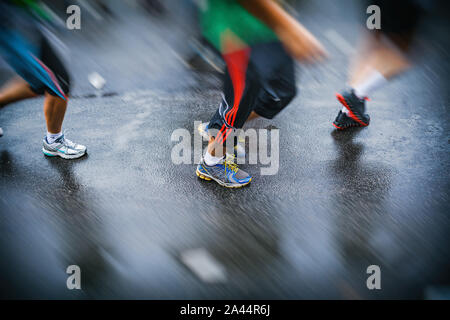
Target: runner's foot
[(356, 107), (63, 148), (225, 173), (343, 121)]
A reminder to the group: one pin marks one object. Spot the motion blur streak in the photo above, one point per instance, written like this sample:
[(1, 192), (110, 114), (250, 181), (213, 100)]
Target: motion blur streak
[(127, 216)]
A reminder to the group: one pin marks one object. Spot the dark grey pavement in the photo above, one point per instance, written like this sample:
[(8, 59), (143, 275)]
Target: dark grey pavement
[(125, 214)]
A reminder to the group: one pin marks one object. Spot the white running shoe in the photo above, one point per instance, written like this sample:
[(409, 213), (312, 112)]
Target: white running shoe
[(63, 148)]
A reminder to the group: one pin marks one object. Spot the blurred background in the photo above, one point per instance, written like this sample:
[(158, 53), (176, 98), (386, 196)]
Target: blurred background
[(141, 227)]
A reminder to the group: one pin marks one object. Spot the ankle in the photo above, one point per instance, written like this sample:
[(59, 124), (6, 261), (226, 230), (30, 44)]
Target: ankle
[(211, 160), (51, 137), (215, 149)]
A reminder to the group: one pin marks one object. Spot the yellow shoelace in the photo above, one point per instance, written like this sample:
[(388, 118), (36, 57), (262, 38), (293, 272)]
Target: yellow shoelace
[(229, 163)]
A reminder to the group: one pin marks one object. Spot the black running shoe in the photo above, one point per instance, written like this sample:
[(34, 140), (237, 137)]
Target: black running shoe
[(356, 107), (343, 121)]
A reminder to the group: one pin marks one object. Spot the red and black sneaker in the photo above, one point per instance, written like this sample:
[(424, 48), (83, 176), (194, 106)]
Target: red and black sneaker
[(343, 121), (356, 107)]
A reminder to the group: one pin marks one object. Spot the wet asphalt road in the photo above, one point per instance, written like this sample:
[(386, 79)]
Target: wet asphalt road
[(125, 214)]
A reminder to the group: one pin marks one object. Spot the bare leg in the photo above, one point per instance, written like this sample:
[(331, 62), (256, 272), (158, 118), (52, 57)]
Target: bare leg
[(359, 68), (388, 61), (381, 56), (215, 149), (54, 110), (15, 90), (252, 116)]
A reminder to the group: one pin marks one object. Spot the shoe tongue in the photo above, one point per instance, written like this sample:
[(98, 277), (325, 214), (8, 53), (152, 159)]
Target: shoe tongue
[(228, 159), (60, 139)]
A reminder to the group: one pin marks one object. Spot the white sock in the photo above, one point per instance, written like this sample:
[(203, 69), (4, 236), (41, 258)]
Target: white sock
[(51, 137), (211, 160), (370, 84)]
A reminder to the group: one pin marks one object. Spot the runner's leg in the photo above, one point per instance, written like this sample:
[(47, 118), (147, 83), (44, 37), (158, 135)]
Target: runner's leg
[(15, 90)]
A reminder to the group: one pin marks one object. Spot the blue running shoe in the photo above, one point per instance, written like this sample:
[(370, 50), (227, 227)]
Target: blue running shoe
[(226, 173)]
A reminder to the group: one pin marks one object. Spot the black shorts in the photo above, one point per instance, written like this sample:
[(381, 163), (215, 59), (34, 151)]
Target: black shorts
[(49, 57), (260, 79), (25, 48)]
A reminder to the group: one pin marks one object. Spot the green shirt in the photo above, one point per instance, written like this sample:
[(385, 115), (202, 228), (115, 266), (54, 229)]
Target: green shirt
[(220, 15)]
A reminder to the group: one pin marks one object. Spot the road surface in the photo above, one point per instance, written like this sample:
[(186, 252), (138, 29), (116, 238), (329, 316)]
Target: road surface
[(140, 226)]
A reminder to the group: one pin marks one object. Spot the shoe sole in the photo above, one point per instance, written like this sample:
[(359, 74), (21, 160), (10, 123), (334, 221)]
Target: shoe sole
[(341, 99), (337, 127), (49, 153), (209, 178), (349, 126)]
